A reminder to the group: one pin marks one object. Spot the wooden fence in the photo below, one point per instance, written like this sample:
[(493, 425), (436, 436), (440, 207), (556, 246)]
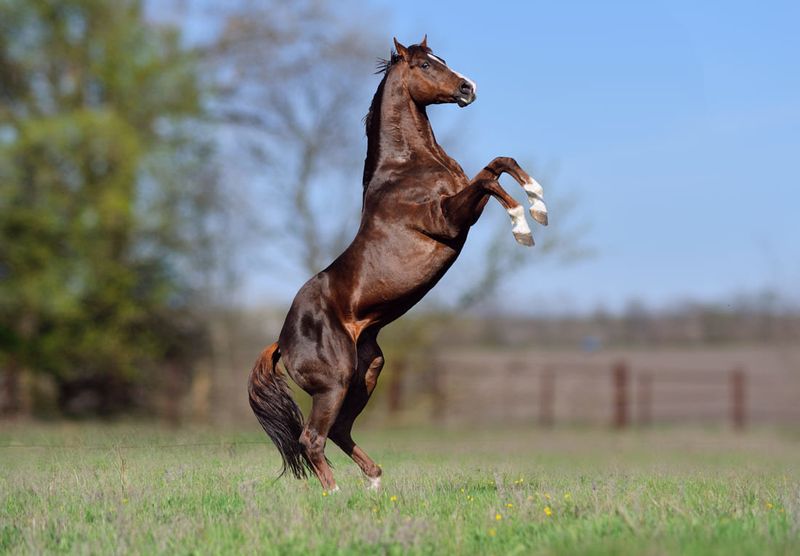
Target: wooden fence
[(617, 393)]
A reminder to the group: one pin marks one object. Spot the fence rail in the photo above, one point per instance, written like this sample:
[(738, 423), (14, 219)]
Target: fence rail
[(617, 393)]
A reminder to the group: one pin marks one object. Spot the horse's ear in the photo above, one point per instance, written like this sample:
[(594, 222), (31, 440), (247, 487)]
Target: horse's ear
[(424, 43), (402, 51)]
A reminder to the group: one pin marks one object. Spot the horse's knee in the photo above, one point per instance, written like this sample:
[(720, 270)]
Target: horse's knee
[(501, 164)]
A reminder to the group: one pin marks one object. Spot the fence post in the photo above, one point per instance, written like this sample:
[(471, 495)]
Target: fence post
[(738, 409), (644, 401), (620, 385), (508, 401), (546, 397), (438, 389)]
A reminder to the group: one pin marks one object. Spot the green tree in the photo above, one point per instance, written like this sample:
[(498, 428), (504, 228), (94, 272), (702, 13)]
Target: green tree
[(103, 192)]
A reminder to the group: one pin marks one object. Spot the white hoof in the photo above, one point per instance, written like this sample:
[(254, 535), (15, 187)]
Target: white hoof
[(524, 239), (532, 187), (374, 483), (520, 229), (334, 490), (539, 211)]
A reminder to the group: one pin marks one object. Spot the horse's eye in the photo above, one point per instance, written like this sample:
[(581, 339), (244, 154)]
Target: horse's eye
[(425, 65)]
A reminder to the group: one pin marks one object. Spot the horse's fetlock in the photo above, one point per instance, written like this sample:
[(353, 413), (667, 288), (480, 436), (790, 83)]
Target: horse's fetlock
[(374, 471)]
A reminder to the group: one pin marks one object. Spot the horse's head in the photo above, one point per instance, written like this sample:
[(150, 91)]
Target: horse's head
[(428, 78)]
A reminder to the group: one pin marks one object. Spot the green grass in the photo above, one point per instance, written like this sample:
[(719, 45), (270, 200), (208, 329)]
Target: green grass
[(123, 489)]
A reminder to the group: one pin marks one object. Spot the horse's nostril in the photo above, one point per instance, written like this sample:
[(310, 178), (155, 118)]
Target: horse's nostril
[(465, 88)]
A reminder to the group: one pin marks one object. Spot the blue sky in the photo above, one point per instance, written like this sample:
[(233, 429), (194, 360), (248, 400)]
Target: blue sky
[(676, 125)]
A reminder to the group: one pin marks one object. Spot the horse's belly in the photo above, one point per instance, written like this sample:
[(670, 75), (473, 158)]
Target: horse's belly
[(398, 277)]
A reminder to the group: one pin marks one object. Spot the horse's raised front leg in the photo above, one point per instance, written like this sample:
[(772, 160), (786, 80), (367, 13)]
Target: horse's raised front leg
[(465, 207), (532, 188)]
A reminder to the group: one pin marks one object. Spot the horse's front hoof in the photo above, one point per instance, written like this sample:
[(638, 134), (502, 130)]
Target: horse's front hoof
[(532, 187), (539, 216), (538, 211), (519, 227), (524, 238)]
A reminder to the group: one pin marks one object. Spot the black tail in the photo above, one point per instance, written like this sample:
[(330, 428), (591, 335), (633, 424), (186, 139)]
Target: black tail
[(277, 411)]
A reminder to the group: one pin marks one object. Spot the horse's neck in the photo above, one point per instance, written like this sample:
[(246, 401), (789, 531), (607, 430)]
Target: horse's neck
[(404, 127)]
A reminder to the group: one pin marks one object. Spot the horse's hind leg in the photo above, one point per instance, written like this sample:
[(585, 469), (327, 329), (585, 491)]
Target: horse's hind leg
[(322, 364), (370, 363), (325, 406)]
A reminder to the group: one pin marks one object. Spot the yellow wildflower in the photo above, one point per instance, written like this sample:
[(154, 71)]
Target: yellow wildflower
[(393, 498), (567, 496), (324, 493), (547, 511), (547, 495), (492, 532), (498, 517), (509, 505), (769, 505)]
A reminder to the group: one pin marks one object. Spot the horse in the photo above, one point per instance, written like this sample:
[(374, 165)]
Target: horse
[(418, 207)]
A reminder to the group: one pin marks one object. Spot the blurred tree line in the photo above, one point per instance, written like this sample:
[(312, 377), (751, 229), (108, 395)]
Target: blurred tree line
[(762, 318), (104, 188)]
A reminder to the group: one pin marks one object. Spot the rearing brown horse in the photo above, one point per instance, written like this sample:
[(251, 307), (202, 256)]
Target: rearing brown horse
[(417, 211)]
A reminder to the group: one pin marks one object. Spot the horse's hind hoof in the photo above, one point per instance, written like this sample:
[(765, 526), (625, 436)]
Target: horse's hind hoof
[(374, 483), (524, 238)]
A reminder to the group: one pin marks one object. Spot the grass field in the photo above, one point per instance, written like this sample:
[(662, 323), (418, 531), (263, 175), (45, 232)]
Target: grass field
[(126, 489)]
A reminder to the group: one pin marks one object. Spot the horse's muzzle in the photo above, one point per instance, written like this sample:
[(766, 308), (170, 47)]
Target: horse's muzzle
[(465, 94), (465, 100)]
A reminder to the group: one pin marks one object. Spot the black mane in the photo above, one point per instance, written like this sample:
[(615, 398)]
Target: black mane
[(372, 119), (382, 66)]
